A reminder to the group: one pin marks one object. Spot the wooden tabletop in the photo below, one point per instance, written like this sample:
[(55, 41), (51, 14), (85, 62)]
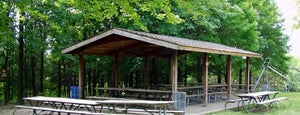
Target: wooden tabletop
[(256, 94), (61, 100), (41, 98)]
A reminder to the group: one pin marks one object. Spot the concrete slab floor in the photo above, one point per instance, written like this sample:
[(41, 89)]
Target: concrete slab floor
[(199, 109)]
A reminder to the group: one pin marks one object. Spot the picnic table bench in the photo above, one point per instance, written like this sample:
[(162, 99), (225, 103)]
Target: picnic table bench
[(120, 101), (271, 101), (74, 106), (151, 111), (53, 110), (234, 101)]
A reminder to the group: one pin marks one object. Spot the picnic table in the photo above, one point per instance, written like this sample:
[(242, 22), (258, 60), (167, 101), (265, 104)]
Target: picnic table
[(256, 97), (62, 103), (125, 105), (214, 91), (161, 106), (141, 93)]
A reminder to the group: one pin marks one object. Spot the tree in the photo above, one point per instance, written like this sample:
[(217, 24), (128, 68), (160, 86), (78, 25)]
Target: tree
[(273, 43), (297, 17), (7, 47)]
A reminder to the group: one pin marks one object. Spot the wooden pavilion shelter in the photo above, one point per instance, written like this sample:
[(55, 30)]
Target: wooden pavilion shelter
[(122, 42)]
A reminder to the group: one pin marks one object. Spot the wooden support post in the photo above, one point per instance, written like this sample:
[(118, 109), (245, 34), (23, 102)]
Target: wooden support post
[(247, 74), (81, 70), (117, 64), (228, 77), (173, 71), (205, 78), (146, 82), (81, 73)]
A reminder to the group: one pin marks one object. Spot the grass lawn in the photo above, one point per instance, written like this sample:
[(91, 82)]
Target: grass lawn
[(289, 107)]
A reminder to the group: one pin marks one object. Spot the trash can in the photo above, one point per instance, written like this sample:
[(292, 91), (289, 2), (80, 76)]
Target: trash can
[(75, 92), (180, 105), (265, 87)]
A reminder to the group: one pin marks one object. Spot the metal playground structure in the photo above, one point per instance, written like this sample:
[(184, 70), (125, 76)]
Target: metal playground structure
[(265, 67)]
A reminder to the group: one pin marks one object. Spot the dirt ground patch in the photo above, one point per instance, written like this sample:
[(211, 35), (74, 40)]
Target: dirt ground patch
[(8, 110)]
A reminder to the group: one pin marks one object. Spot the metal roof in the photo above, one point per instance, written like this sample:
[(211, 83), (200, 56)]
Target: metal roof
[(135, 43)]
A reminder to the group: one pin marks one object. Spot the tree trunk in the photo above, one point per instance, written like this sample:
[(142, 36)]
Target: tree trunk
[(200, 70), (130, 77), (89, 81), (103, 79), (185, 75), (126, 80), (137, 78), (21, 67), (10, 74), (68, 80), (41, 81), (154, 78), (59, 81), (26, 80), (7, 82), (94, 80), (240, 78), (219, 81), (250, 76), (111, 77), (180, 76), (111, 74), (219, 77), (33, 82), (225, 75)]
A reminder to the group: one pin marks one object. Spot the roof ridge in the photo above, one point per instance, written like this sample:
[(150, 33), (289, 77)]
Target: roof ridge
[(180, 38)]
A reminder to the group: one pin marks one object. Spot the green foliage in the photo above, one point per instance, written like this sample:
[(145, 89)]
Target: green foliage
[(6, 34), (297, 17), (273, 43), (294, 73)]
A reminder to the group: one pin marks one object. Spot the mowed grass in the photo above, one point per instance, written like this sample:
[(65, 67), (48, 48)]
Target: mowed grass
[(286, 107)]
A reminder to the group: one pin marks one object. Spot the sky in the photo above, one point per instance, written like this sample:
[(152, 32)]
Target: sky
[(288, 10)]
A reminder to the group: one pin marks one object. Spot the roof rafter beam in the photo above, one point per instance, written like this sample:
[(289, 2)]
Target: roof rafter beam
[(158, 52), (126, 48)]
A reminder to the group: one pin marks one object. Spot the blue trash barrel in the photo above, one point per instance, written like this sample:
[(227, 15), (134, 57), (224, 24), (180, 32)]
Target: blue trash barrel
[(75, 92)]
